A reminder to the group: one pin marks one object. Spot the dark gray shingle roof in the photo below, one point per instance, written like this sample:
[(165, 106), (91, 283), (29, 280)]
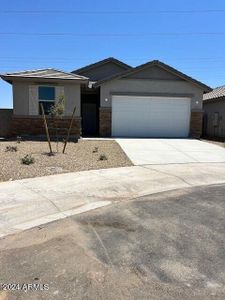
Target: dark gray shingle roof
[(102, 62), (216, 93), (204, 87), (45, 74)]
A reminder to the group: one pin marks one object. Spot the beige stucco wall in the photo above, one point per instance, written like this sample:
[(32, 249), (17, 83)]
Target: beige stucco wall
[(72, 98), (25, 97), (148, 87), (209, 110), (20, 98)]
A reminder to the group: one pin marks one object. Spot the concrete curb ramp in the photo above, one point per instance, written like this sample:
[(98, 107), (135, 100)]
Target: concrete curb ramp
[(31, 202)]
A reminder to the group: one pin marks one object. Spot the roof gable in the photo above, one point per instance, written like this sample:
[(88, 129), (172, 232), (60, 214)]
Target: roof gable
[(155, 63), (153, 72), (103, 69)]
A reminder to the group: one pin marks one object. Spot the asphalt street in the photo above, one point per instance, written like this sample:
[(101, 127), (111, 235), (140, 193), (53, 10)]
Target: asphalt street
[(169, 245)]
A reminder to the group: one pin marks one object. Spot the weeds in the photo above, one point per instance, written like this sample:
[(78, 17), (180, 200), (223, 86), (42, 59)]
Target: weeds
[(18, 139), (103, 157), (27, 160), (11, 149), (95, 150)]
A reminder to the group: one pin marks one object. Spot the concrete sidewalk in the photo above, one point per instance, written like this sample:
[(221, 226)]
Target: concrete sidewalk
[(31, 202)]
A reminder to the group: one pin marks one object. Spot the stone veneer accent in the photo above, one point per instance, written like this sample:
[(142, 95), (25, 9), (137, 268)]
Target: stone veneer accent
[(34, 125), (105, 121), (196, 124), (5, 122)]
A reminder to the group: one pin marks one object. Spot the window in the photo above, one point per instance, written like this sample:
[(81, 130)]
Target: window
[(46, 96), (46, 93), (47, 105)]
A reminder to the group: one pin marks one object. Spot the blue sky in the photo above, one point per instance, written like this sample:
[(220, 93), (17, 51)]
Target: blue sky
[(176, 32)]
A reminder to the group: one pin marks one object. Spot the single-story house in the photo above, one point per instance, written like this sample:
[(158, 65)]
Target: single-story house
[(214, 113), (111, 99)]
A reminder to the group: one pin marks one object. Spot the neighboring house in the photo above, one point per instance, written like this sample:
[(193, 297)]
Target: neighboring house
[(112, 99), (214, 113)]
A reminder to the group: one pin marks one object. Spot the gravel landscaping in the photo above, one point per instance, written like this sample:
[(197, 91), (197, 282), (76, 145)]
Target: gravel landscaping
[(84, 155)]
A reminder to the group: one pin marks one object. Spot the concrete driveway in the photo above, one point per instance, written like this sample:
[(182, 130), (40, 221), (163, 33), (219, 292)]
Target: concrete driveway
[(171, 151), (165, 246)]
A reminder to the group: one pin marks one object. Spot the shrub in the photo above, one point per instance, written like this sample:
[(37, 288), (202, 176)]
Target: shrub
[(103, 157), (27, 160), (57, 110), (95, 150), (11, 149), (18, 139)]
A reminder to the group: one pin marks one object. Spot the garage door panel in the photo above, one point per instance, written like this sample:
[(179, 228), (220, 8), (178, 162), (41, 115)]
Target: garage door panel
[(134, 116)]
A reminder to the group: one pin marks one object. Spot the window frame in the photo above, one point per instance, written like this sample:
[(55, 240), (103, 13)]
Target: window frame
[(46, 86), (45, 100)]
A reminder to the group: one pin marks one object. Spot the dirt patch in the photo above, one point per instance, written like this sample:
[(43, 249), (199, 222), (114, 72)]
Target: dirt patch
[(81, 156)]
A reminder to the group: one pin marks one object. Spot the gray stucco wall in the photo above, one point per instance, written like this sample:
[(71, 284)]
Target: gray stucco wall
[(22, 100), (148, 87), (209, 111), (154, 73), (103, 71), (5, 122)]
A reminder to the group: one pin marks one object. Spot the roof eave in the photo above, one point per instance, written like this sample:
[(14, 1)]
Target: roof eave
[(11, 78), (212, 100), (202, 86), (3, 77)]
